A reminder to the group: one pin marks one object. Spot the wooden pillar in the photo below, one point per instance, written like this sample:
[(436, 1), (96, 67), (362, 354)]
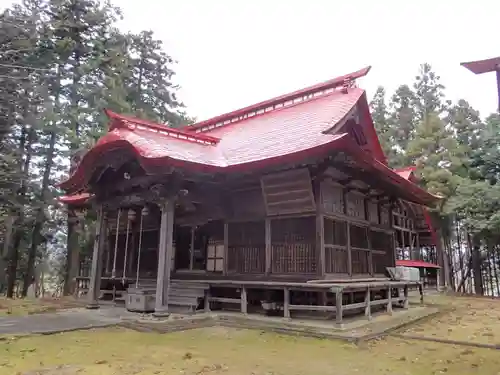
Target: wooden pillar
[(419, 248), (286, 303), (191, 250), (403, 244), (207, 300), (389, 300), (107, 250), (406, 303), (244, 303), (133, 249), (349, 251), (320, 243), (96, 270), (338, 305), (412, 249), (226, 248), (268, 246), (368, 308), (165, 253), (498, 86), (371, 269), (438, 277)]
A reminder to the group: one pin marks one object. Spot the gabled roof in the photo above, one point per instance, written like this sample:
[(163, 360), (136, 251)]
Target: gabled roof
[(292, 126)]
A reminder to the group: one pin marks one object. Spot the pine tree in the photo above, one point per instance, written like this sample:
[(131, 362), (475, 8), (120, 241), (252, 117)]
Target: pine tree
[(485, 157), (150, 88), (429, 95), (403, 122), (20, 102), (436, 155), (383, 126), (74, 62)]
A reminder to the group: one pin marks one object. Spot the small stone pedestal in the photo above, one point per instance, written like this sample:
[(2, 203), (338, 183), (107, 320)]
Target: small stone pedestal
[(141, 300)]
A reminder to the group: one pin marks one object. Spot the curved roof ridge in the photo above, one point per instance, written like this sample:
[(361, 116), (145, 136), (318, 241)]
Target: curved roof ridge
[(132, 123), (281, 101)]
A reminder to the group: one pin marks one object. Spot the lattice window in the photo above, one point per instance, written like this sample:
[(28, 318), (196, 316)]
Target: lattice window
[(336, 259), (246, 247), (215, 256), (372, 208), (356, 205), (381, 260), (379, 240), (360, 261), (382, 244), (401, 220), (359, 236), (293, 245), (335, 232)]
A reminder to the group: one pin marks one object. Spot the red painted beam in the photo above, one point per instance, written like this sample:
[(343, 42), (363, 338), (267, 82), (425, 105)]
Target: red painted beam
[(486, 66), (498, 87)]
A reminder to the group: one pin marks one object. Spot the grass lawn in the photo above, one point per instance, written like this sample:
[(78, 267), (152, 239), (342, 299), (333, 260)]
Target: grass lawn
[(473, 320), (27, 306), (231, 351)]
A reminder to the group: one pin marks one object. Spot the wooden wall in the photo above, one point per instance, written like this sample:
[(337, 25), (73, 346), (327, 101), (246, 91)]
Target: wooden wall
[(281, 225), (358, 237), (246, 247)]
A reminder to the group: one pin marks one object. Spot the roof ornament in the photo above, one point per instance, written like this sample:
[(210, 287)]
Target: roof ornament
[(347, 84)]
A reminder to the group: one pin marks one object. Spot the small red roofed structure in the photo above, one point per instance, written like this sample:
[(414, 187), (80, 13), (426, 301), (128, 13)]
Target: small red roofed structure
[(418, 244), (486, 66)]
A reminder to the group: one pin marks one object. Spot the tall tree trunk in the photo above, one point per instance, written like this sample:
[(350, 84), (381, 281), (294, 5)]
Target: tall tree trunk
[(36, 237), (461, 255), (462, 283), (489, 268), (467, 284), (25, 153), (72, 242), (9, 231), (73, 254), (476, 266), (495, 269)]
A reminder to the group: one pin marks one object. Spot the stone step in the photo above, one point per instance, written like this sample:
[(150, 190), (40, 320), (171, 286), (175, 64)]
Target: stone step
[(183, 301), (188, 285), (183, 297), (186, 292)]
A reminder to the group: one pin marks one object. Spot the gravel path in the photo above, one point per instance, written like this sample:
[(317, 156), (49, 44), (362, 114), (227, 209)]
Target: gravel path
[(68, 320)]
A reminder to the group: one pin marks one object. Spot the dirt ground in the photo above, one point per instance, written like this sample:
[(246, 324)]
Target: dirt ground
[(26, 306), (243, 352)]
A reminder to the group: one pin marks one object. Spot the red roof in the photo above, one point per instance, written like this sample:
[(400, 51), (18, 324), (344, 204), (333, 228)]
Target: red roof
[(274, 131), (406, 173), (483, 66), (75, 199), (416, 263)]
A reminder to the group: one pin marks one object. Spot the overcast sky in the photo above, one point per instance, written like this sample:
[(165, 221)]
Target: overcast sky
[(232, 53)]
